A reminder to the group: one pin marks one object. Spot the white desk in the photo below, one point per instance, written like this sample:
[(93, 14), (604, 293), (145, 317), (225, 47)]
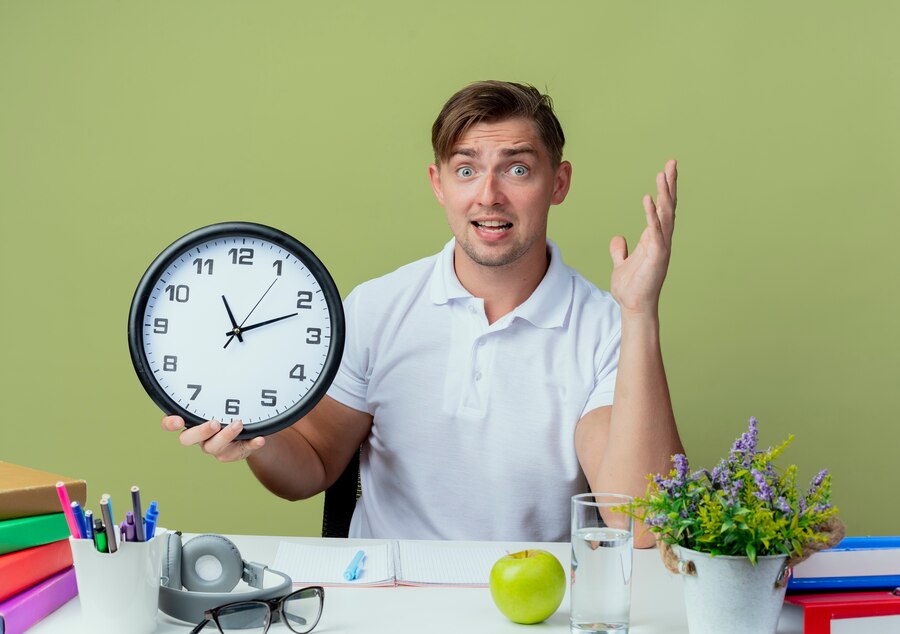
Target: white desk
[(657, 604)]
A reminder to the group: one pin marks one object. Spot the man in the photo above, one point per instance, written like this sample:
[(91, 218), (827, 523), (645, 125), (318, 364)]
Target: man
[(490, 382)]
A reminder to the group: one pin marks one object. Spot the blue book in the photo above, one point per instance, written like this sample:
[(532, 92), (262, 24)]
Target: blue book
[(856, 563)]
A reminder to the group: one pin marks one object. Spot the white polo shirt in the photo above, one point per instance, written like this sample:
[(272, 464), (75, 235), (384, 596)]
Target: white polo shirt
[(473, 434)]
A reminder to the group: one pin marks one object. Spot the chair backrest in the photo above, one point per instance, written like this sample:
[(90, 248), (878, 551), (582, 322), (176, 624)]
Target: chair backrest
[(340, 500)]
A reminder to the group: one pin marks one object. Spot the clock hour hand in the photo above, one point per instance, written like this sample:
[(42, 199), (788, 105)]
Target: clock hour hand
[(237, 331), (234, 327)]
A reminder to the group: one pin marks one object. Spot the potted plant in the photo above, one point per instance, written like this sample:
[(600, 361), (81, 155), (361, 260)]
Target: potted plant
[(736, 531)]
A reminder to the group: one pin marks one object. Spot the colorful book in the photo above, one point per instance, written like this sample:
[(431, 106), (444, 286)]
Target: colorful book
[(25, 492), (24, 568), (856, 563), (23, 610), (880, 609), (25, 532)]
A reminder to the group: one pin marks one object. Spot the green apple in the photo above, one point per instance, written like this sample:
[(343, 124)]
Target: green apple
[(528, 586)]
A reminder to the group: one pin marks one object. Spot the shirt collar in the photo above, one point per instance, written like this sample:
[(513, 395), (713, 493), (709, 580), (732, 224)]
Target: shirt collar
[(547, 307)]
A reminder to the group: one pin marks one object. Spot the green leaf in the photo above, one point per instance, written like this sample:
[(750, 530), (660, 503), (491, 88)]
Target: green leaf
[(751, 553)]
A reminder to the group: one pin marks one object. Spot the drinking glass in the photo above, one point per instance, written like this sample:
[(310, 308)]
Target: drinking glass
[(602, 543)]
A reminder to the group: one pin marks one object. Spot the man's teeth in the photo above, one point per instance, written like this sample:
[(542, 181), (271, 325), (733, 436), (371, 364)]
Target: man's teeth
[(493, 225)]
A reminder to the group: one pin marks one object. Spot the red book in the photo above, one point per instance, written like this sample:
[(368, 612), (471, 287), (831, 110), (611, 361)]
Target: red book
[(25, 568), (820, 609), (20, 612)]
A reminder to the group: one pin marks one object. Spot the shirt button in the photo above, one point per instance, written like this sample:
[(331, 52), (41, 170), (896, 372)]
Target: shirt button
[(480, 342), (477, 375), (472, 308)]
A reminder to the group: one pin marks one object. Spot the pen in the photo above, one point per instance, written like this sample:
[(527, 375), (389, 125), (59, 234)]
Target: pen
[(67, 509), (100, 536), (352, 571), (110, 527), (138, 515), (108, 498), (89, 525), (152, 516), (79, 519), (126, 529)]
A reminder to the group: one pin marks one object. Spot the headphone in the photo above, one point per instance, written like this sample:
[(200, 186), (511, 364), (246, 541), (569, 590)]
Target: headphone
[(200, 592)]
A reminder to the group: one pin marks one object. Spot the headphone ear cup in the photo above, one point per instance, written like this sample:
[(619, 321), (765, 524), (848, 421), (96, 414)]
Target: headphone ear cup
[(171, 563), (223, 551)]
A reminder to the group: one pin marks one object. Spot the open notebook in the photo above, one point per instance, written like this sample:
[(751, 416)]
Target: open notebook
[(389, 563)]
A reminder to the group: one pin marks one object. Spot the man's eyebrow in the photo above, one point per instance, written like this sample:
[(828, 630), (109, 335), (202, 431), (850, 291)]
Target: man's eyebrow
[(521, 149), (507, 151)]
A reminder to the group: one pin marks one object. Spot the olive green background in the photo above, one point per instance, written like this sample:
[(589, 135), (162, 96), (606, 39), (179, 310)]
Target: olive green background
[(124, 125)]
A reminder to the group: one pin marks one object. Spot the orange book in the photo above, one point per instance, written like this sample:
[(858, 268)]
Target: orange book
[(25, 492), (25, 568)]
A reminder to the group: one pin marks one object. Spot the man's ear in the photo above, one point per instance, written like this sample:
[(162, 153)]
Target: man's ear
[(434, 175), (561, 183)]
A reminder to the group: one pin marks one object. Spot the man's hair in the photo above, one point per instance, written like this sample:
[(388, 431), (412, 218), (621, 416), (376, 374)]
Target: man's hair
[(490, 101)]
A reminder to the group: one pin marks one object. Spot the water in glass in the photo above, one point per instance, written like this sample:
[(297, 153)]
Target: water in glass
[(601, 580)]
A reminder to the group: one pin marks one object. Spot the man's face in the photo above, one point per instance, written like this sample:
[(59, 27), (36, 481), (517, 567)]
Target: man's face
[(496, 188)]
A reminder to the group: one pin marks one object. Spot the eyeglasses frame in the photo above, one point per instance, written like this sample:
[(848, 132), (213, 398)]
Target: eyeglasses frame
[(275, 606)]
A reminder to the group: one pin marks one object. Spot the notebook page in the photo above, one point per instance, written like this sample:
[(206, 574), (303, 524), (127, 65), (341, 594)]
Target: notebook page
[(318, 564), (446, 563)]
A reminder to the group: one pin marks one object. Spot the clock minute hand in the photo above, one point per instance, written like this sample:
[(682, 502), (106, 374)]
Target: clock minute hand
[(259, 324)]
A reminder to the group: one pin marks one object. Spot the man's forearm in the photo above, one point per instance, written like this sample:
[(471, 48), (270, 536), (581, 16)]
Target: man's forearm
[(642, 433), (288, 466)]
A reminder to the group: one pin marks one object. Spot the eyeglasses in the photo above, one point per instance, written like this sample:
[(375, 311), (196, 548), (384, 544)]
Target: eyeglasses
[(300, 611)]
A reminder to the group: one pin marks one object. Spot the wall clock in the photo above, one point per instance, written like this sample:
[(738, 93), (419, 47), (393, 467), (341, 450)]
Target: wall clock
[(236, 321)]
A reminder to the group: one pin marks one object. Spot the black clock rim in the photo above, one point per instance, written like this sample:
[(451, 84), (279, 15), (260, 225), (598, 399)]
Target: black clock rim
[(225, 230)]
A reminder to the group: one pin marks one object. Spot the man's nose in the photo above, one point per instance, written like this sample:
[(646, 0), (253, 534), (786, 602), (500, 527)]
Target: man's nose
[(491, 192)]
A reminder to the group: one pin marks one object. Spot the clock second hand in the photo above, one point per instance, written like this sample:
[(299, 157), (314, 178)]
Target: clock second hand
[(233, 335)]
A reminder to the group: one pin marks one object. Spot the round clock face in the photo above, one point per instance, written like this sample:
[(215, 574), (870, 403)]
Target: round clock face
[(237, 321)]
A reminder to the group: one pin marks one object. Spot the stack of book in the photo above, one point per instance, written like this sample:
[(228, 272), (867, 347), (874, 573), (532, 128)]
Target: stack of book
[(855, 579), (36, 573)]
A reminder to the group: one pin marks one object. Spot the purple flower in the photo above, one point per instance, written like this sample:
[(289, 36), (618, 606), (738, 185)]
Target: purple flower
[(783, 506), (681, 469), (817, 482), (744, 448), (719, 476), (765, 491), (733, 492), (699, 474)]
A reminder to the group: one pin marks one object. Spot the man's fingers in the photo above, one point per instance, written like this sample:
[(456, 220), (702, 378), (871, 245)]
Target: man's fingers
[(672, 179), (618, 250), (650, 212), (240, 449), (200, 433), (665, 210), (172, 423), (219, 443)]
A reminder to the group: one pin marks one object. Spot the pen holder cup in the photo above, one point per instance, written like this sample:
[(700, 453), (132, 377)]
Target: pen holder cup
[(119, 592)]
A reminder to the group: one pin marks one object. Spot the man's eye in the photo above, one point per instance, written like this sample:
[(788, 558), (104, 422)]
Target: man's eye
[(519, 170), (465, 172)]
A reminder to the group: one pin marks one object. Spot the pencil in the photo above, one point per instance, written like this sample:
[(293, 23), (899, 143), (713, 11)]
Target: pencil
[(67, 509)]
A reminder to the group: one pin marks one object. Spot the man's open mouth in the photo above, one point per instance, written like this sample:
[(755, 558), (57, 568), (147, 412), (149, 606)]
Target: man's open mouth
[(492, 225)]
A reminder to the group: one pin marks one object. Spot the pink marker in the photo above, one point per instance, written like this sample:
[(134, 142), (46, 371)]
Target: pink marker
[(67, 509)]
